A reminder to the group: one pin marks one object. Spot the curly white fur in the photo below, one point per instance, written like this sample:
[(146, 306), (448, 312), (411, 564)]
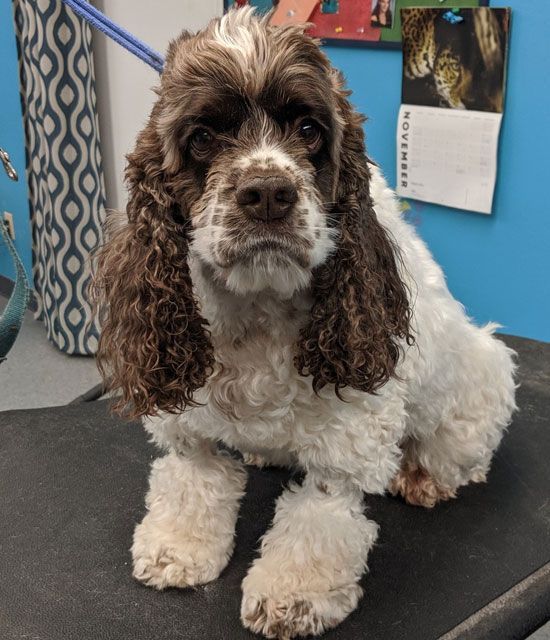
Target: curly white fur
[(187, 536), (445, 413)]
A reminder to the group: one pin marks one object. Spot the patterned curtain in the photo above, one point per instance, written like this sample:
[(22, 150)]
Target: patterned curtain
[(66, 188)]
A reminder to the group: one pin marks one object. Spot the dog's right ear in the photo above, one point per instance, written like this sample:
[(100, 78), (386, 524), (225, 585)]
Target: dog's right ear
[(154, 346)]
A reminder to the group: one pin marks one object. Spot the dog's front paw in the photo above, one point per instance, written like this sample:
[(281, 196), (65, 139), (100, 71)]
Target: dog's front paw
[(187, 535), (285, 616), (287, 599), (164, 557)]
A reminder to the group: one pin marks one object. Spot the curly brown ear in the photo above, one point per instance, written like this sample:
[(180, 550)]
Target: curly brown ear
[(154, 346), (361, 313)]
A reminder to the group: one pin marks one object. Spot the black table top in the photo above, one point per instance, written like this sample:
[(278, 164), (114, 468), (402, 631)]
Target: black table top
[(72, 486)]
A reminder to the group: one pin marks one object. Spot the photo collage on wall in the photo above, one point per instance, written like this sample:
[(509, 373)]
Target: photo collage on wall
[(352, 22)]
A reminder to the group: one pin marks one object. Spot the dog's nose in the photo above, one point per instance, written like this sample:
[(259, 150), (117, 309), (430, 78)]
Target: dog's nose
[(267, 197)]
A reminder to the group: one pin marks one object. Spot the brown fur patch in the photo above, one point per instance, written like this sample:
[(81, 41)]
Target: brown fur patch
[(418, 488), (285, 620), (154, 345)]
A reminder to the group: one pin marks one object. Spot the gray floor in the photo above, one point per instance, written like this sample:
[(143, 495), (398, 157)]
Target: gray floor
[(36, 374)]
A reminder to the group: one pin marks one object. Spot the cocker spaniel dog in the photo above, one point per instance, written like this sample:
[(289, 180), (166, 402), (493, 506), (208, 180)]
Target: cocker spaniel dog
[(264, 292)]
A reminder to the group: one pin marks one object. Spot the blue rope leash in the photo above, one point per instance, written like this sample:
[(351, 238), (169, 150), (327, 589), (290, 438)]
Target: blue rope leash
[(100, 21)]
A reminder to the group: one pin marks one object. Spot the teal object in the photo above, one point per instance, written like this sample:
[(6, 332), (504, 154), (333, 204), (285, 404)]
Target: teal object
[(12, 318), (452, 16), (330, 6), (264, 5)]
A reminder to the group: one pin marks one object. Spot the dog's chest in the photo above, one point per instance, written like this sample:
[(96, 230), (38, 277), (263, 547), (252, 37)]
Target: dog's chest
[(256, 398)]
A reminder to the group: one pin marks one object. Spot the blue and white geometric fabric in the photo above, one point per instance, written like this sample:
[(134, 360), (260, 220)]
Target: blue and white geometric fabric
[(64, 172)]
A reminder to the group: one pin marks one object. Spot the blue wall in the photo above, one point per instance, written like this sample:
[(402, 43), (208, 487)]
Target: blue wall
[(498, 265), (13, 195)]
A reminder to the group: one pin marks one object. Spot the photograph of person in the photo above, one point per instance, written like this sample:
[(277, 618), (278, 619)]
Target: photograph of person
[(382, 14)]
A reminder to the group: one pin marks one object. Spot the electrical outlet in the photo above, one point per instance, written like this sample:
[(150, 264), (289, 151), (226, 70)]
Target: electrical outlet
[(8, 222)]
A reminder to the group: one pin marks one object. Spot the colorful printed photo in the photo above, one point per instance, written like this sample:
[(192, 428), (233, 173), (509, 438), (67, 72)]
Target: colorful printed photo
[(455, 58), (382, 13)]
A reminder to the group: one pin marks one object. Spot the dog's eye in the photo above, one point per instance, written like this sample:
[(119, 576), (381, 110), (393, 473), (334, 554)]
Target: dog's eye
[(201, 141), (310, 132)]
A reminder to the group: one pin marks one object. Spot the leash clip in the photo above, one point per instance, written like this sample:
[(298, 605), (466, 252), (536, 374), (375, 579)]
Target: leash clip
[(12, 173)]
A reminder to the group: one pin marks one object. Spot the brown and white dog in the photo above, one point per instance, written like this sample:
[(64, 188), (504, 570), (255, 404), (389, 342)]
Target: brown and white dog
[(264, 292)]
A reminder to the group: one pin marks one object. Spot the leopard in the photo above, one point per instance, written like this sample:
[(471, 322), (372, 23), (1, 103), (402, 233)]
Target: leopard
[(461, 66)]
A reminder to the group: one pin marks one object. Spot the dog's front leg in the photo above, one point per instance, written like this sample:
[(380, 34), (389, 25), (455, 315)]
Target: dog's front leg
[(306, 579), (187, 536)]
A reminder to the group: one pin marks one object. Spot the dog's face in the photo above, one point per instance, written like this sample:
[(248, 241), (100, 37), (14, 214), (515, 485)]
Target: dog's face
[(253, 160), (250, 125)]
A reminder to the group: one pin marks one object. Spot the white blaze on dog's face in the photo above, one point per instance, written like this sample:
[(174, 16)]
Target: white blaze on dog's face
[(249, 119)]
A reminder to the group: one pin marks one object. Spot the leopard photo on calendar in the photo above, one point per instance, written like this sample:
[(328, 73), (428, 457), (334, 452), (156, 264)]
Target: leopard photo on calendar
[(455, 58)]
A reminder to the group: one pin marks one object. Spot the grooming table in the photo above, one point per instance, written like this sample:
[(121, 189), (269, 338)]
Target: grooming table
[(72, 487)]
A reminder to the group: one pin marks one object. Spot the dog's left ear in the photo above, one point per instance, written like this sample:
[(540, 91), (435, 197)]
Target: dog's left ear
[(361, 312)]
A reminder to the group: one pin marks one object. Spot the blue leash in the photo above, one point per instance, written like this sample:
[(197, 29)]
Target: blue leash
[(100, 21)]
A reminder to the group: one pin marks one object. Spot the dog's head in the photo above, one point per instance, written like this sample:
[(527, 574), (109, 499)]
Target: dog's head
[(254, 161)]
